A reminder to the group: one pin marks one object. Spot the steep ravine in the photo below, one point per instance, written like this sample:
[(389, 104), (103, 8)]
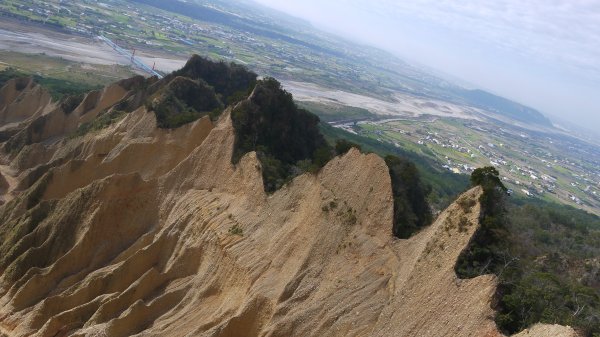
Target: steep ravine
[(136, 230)]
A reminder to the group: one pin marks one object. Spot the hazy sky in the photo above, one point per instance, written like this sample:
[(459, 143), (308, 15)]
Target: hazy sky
[(543, 53)]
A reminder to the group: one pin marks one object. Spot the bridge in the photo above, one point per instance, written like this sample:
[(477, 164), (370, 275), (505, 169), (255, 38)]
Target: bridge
[(134, 60)]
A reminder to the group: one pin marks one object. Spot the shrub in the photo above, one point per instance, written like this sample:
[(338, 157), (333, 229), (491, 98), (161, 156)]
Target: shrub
[(350, 218), (236, 230), (342, 146), (71, 102), (463, 223), (466, 204)]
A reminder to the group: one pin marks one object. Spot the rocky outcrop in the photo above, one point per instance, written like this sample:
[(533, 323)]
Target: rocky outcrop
[(547, 330), (136, 230)]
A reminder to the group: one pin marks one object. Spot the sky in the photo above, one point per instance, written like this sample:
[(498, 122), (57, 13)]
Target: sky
[(542, 53)]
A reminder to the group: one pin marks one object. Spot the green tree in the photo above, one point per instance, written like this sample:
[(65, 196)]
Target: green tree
[(411, 210), (493, 198), (487, 177), (485, 252), (287, 139)]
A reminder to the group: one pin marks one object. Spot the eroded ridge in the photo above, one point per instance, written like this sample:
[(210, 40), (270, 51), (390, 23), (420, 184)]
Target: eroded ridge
[(136, 230)]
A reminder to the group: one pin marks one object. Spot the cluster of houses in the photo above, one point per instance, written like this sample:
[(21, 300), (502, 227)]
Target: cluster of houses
[(535, 175)]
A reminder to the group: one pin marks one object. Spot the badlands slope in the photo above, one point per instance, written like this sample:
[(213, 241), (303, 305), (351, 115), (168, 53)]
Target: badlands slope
[(136, 230)]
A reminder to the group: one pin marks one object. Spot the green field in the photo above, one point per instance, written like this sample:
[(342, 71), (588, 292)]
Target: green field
[(460, 146), (58, 68)]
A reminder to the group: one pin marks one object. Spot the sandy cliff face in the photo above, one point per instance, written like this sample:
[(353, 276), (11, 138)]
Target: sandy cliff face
[(21, 100), (134, 230)]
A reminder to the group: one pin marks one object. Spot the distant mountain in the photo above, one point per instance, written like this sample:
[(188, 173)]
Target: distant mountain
[(505, 107)]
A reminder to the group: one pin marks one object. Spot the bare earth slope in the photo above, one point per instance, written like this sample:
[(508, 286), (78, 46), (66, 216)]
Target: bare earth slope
[(134, 230)]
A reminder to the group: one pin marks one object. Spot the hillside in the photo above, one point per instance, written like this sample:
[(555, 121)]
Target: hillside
[(505, 107), (115, 224)]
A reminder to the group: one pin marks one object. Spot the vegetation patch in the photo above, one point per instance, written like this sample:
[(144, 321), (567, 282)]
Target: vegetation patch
[(70, 103), (539, 252), (202, 87), (231, 82), (183, 101), (411, 210), (101, 122), (58, 88), (466, 204), (8, 74), (350, 217), (286, 138), (236, 230)]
